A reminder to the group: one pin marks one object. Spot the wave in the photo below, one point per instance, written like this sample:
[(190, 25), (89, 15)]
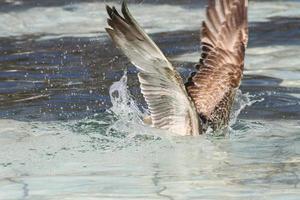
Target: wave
[(92, 16)]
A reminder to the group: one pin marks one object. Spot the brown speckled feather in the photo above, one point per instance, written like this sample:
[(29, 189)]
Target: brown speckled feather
[(220, 69)]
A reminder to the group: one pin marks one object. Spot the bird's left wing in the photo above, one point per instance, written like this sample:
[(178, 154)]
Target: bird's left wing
[(162, 87)]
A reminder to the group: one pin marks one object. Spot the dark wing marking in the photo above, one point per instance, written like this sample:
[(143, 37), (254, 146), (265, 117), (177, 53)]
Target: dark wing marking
[(163, 89)]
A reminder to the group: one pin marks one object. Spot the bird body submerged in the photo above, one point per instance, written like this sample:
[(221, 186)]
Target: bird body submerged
[(207, 97)]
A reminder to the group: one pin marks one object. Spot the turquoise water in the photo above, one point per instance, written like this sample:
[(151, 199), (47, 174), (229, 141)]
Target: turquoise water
[(71, 109)]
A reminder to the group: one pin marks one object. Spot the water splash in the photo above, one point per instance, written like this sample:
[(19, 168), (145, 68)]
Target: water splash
[(124, 106), (240, 103), (127, 113), (129, 116)]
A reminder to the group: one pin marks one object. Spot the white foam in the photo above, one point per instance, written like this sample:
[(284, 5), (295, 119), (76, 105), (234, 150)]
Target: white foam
[(262, 11), (89, 19)]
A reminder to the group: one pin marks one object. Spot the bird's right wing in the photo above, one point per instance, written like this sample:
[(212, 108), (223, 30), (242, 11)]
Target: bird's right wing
[(162, 87), (224, 39)]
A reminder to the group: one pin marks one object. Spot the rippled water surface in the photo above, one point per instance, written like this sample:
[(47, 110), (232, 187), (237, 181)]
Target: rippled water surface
[(70, 107)]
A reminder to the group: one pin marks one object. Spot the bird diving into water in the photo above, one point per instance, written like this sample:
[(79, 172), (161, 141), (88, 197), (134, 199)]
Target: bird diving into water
[(206, 99)]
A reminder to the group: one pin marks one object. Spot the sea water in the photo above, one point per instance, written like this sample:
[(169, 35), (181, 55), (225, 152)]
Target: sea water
[(71, 109)]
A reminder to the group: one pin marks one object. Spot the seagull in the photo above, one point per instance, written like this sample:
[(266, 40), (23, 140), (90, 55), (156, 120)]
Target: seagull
[(205, 100)]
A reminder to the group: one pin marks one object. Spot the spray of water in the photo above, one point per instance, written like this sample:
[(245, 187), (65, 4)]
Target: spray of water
[(240, 103), (124, 107)]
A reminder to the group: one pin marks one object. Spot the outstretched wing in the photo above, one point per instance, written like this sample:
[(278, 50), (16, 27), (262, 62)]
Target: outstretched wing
[(224, 39), (162, 87)]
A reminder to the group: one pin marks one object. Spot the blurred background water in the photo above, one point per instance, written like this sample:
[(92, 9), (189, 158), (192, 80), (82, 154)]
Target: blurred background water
[(70, 118)]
